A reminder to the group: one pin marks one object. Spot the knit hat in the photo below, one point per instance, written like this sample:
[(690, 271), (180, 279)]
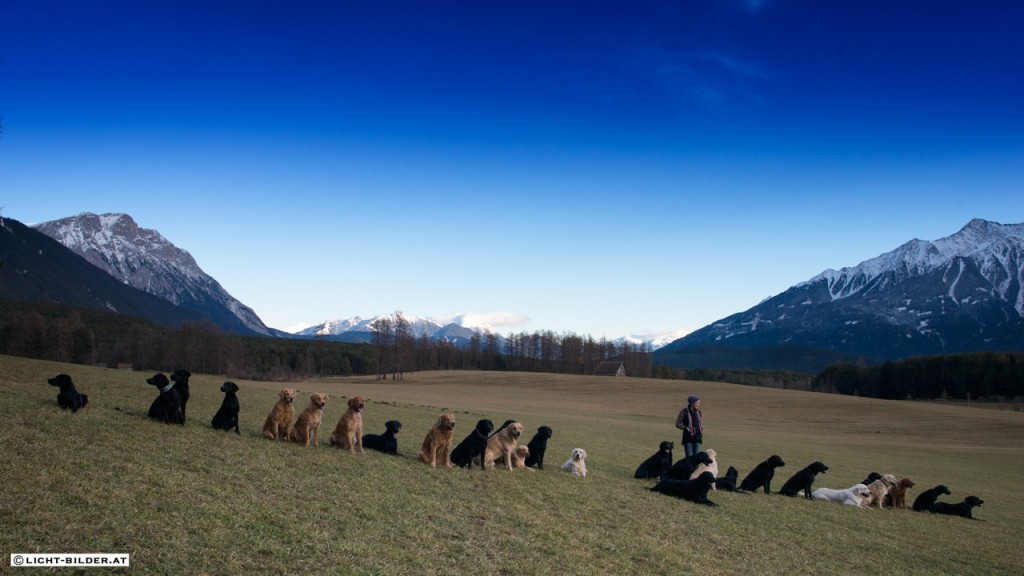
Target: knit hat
[(692, 399)]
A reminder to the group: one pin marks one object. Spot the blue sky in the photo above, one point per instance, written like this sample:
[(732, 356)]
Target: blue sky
[(604, 168)]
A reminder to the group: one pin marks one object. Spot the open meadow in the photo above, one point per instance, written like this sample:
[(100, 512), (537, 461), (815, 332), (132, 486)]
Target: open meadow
[(195, 500)]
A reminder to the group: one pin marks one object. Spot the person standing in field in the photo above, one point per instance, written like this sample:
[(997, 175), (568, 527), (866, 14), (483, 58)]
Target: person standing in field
[(690, 422)]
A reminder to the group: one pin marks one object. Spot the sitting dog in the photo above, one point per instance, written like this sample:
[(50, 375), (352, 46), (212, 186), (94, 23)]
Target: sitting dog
[(437, 445), (802, 480), (577, 463), (538, 445), (501, 445), (695, 490), (472, 448), (279, 421), (68, 398), (349, 431), (879, 488), (658, 463), (897, 496), (852, 496), (307, 427), (762, 474), (226, 417), (728, 482), (167, 406), (386, 442), (925, 500), (180, 378), (962, 509), (519, 456), (682, 469)]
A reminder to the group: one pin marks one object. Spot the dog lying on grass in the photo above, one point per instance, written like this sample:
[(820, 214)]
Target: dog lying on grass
[(69, 398), (728, 482), (279, 421), (386, 442), (925, 500), (695, 490), (226, 417), (307, 428), (852, 496), (685, 466), (577, 463), (962, 509), (803, 480)]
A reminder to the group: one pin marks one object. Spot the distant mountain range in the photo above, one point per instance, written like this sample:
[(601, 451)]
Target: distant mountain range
[(360, 329), (962, 293)]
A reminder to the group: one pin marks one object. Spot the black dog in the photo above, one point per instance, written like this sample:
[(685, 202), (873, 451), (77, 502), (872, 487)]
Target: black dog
[(167, 406), (658, 463), (728, 482), (695, 490), (872, 476), (538, 445), (227, 417), (180, 379), (386, 442), (925, 500), (802, 480), (762, 474), (473, 445), (682, 469), (962, 509), (69, 398)]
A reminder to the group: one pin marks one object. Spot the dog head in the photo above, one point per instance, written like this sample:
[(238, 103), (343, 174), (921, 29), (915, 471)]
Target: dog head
[(579, 454), (817, 468), (356, 404), (393, 427), (484, 427), (712, 455), (703, 458), (318, 400), (907, 483), (775, 461), (861, 490), (62, 381), (522, 451), (181, 376), (872, 477), (973, 501), (446, 421), (229, 388), (287, 395), (514, 430), (941, 489), (545, 432), (666, 446), (889, 480), (158, 380), (706, 478), (732, 474)]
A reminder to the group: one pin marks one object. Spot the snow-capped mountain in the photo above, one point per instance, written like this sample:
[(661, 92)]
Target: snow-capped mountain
[(961, 293), (359, 329), (145, 260)]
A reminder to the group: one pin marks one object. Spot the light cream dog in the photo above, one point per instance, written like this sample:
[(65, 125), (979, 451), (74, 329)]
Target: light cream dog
[(577, 463)]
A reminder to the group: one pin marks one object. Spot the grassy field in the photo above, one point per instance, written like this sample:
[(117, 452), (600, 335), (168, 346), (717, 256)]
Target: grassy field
[(195, 500)]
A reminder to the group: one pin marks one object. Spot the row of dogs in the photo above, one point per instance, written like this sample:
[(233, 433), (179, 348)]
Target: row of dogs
[(483, 447), (693, 477)]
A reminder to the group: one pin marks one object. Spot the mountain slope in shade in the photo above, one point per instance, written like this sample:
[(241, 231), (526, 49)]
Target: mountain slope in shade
[(147, 261), (962, 293)]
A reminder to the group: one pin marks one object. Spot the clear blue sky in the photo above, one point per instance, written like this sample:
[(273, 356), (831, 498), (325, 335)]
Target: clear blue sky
[(605, 168)]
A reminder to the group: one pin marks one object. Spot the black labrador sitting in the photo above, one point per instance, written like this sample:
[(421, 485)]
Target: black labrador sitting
[(167, 406), (762, 474), (728, 482), (925, 500), (682, 469), (803, 480), (538, 445), (226, 417), (386, 442), (473, 445), (69, 398), (180, 379), (695, 490), (962, 509), (658, 463)]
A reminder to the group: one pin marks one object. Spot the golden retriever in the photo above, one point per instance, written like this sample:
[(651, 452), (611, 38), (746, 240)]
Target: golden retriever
[(437, 445), (349, 431), (519, 457), (577, 463), (878, 489), (307, 427), (897, 496), (279, 421), (503, 445)]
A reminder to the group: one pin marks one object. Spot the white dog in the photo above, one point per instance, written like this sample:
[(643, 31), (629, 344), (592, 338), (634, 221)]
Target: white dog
[(713, 467), (576, 464), (852, 496)]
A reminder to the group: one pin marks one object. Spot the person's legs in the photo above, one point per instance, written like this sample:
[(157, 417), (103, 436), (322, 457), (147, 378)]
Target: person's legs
[(691, 448)]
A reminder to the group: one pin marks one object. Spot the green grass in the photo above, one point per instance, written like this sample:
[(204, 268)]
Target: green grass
[(194, 500)]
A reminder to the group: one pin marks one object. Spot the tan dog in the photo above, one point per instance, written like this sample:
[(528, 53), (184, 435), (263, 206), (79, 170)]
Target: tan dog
[(349, 431), (437, 445), (897, 496), (519, 457), (577, 463), (879, 488), (503, 445), (307, 427), (279, 421)]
